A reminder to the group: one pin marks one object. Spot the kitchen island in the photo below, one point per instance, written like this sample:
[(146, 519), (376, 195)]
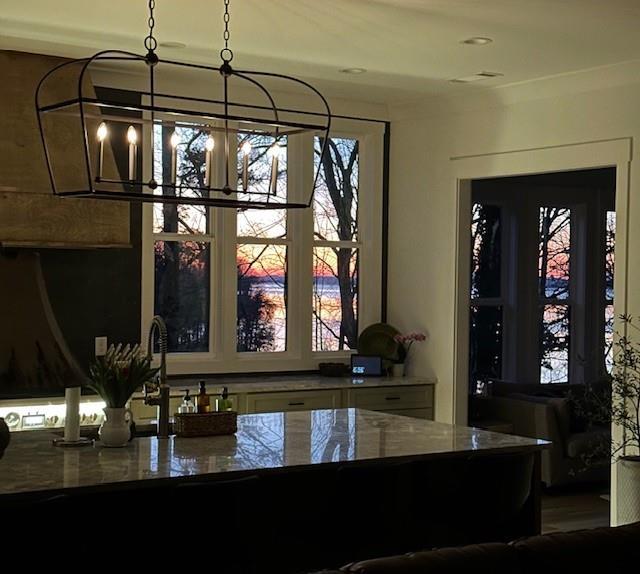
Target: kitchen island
[(330, 473)]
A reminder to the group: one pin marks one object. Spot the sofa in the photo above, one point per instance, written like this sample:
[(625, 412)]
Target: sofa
[(546, 412), (596, 551)]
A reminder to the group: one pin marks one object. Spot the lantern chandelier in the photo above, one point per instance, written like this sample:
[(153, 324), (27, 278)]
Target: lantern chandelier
[(77, 124)]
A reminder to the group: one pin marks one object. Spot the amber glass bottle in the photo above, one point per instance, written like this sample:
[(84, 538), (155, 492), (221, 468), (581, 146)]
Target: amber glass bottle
[(203, 402)]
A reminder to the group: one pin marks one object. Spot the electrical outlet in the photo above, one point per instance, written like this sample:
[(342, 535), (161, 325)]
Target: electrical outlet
[(101, 346)]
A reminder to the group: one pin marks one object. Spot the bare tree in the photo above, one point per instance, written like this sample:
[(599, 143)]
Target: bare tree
[(553, 278), (336, 220)]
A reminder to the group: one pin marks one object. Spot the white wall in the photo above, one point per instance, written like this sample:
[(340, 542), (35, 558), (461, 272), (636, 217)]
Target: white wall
[(422, 254)]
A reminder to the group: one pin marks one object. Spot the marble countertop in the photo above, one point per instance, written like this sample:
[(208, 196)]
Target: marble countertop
[(263, 441), (277, 383)]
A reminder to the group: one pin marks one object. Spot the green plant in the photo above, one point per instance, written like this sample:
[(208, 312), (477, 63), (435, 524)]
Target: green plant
[(617, 402), (116, 375), (625, 390)]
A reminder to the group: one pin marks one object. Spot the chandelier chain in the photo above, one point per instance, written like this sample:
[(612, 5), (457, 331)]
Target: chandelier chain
[(226, 24), (150, 43), (226, 54)]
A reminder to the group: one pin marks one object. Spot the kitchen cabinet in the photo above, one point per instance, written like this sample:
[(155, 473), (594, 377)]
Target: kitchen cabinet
[(293, 401), (416, 401), (406, 400), (412, 397)]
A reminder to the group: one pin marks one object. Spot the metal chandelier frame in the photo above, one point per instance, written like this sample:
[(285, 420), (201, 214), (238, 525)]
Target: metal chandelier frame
[(214, 116)]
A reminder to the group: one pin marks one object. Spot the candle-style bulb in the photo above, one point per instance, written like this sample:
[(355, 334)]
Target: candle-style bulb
[(246, 150), (132, 138), (174, 140), (208, 160), (102, 131), (132, 135), (274, 153), (102, 134)]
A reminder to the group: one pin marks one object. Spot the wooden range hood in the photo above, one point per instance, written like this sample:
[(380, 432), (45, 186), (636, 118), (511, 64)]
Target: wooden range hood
[(30, 215)]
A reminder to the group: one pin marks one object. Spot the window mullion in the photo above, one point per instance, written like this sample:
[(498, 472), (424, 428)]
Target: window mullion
[(301, 178), (228, 284), (198, 238)]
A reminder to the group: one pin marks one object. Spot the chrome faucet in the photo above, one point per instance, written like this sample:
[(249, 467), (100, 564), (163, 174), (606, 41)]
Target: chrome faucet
[(160, 387)]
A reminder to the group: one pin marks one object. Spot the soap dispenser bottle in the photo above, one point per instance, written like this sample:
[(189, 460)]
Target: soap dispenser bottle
[(223, 402), (187, 405), (203, 402)]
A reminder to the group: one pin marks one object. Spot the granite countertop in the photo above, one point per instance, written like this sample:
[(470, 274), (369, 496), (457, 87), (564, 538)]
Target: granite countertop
[(263, 441), (282, 383)]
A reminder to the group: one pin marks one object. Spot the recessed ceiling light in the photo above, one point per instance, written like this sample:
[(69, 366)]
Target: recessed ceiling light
[(353, 71), (176, 45), (476, 77), (477, 41)]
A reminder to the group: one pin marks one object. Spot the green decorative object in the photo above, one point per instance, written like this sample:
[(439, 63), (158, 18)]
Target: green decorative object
[(379, 340)]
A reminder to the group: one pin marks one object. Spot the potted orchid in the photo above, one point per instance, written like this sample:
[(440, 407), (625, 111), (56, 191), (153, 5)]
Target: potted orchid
[(406, 340)]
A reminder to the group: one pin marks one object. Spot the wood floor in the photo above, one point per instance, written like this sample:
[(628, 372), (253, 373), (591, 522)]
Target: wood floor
[(564, 511)]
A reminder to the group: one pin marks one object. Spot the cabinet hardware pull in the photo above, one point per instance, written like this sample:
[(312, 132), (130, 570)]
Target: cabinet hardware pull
[(296, 404), (392, 398)]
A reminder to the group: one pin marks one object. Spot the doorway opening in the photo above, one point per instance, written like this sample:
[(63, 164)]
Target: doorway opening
[(541, 314)]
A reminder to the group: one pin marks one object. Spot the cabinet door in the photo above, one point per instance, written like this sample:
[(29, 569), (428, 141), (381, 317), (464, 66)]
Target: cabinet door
[(292, 401), (391, 399)]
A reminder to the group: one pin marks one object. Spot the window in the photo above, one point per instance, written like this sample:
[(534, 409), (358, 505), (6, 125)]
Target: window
[(541, 277), (610, 240), (182, 246), (554, 253), (335, 248), (262, 290), (486, 293), (262, 248)]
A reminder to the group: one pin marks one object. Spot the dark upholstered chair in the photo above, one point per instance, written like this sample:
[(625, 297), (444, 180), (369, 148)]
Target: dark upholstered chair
[(540, 411)]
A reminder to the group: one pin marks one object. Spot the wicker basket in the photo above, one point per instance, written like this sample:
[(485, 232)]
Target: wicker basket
[(205, 424)]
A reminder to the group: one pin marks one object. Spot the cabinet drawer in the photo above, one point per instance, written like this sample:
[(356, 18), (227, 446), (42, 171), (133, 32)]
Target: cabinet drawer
[(302, 401), (392, 398)]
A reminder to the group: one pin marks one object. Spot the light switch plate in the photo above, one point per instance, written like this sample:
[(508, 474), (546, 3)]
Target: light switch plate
[(101, 346)]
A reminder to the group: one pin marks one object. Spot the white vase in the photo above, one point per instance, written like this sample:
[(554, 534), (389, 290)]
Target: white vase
[(115, 430), (628, 491), (398, 370)]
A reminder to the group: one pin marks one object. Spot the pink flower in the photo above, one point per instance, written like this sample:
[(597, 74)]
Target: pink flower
[(408, 339)]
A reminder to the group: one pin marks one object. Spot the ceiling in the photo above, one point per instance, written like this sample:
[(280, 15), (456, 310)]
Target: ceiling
[(410, 48)]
